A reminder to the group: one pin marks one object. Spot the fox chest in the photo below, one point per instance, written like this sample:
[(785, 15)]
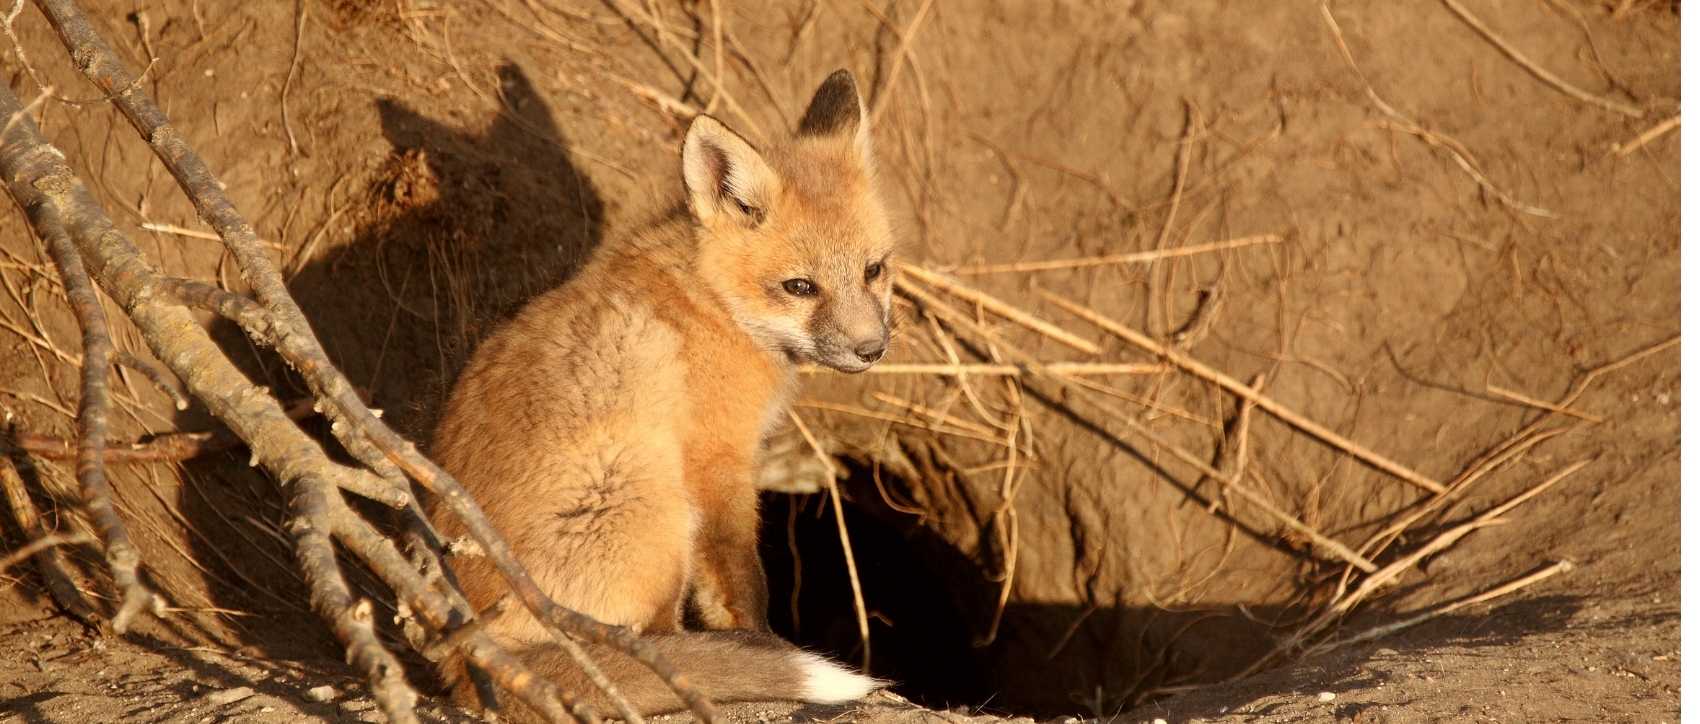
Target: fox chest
[(733, 404)]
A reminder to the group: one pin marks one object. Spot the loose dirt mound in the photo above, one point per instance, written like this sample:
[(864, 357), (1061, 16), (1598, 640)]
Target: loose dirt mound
[(422, 168)]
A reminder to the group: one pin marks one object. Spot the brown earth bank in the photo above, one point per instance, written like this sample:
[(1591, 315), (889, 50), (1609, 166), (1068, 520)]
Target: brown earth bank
[(1444, 245)]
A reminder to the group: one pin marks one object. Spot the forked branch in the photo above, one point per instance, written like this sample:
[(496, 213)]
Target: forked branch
[(354, 424), (60, 206)]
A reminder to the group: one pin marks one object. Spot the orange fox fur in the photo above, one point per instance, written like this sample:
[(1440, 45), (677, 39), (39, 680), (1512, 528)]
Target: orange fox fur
[(610, 430)]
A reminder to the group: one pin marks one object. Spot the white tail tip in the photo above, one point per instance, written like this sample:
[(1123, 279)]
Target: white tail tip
[(825, 682)]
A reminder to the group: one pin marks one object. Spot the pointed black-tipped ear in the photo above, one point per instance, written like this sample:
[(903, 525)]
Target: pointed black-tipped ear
[(836, 108), (724, 174), (836, 112)]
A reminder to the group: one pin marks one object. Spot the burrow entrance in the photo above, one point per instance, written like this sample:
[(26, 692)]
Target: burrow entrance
[(929, 608)]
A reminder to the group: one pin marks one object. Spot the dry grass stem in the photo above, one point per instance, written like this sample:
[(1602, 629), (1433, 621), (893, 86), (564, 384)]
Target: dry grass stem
[(166, 446), (1136, 257), (843, 538), (883, 95), (1000, 308), (1460, 155), (1230, 384), (662, 100), (1390, 572), (1007, 511), (935, 415), (1647, 136), (43, 543), (1338, 550), (1545, 75), (667, 37), (1079, 369), (1520, 444), (922, 423), (1523, 399), (1444, 540), (1509, 587), (197, 234)]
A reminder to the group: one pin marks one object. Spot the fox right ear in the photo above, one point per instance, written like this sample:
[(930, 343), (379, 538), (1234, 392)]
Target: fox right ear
[(725, 175), (836, 112)]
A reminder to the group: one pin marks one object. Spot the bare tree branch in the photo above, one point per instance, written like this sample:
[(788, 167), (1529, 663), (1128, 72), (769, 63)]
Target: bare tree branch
[(61, 207), (352, 422), (448, 612), (121, 554), (47, 190), (159, 377), (245, 312), (350, 620)]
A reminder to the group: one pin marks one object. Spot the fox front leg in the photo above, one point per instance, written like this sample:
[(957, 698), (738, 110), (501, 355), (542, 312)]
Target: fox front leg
[(728, 585)]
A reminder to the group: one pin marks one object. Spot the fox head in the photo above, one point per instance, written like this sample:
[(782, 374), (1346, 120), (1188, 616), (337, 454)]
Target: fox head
[(793, 238)]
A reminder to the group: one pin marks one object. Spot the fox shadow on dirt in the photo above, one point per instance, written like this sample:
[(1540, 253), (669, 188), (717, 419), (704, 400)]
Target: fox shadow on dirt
[(458, 226)]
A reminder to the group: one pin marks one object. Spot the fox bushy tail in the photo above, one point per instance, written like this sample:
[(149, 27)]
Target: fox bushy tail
[(723, 665)]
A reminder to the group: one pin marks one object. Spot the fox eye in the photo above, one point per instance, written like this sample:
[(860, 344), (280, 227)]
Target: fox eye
[(755, 213), (800, 287), (873, 271)]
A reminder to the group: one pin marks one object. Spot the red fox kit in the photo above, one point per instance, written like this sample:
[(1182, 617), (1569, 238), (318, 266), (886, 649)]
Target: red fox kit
[(611, 429)]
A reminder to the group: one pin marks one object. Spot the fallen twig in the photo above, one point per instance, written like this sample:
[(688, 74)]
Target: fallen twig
[(159, 377)]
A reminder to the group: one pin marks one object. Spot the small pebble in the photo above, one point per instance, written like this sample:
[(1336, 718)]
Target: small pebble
[(229, 696), (1325, 696), (320, 694)]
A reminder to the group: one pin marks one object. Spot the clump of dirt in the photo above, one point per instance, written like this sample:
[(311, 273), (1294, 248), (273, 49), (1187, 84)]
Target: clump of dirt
[(422, 168)]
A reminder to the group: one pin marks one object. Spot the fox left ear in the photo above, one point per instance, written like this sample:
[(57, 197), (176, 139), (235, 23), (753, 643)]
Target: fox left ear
[(836, 112), (724, 174)]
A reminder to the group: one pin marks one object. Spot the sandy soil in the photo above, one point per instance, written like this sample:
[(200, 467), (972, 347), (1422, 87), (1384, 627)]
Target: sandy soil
[(433, 165)]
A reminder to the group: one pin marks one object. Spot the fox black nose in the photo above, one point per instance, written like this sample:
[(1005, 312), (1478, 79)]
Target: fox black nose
[(871, 351)]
